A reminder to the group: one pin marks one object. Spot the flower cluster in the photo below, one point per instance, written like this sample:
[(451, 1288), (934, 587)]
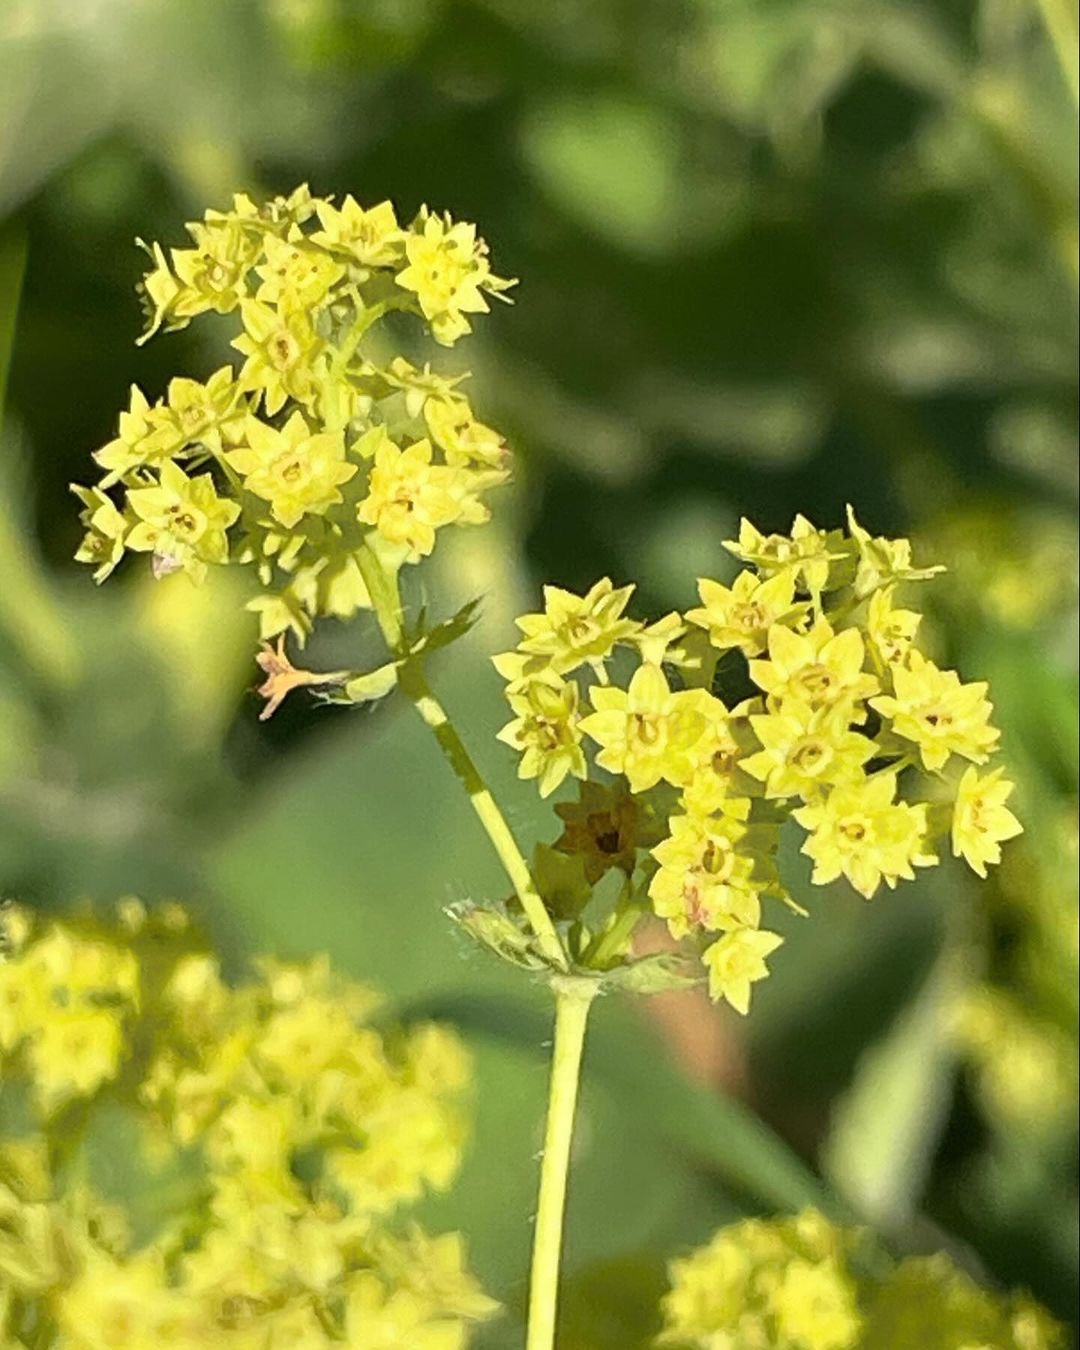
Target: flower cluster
[(311, 448), (804, 1284), (284, 1131), (796, 693)]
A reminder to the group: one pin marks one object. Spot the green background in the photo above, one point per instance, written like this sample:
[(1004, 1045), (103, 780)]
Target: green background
[(775, 256)]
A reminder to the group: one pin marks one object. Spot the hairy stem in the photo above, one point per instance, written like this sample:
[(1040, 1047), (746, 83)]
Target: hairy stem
[(573, 998), (387, 603)]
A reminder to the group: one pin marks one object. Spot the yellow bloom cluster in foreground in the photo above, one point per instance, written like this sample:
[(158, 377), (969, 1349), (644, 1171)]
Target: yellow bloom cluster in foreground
[(311, 446), (795, 693), (804, 1284), (279, 1135)]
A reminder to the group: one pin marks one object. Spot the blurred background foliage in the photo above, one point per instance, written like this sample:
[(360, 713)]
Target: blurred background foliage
[(776, 255)]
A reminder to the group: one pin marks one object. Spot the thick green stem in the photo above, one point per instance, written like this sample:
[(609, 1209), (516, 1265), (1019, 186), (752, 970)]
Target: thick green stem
[(573, 998), (413, 683)]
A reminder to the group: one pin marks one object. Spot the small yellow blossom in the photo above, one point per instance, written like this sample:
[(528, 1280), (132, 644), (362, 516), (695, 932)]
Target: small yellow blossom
[(297, 472), (448, 271), (409, 497), (282, 677), (646, 732), (140, 440), (806, 750), (370, 237), (882, 562), (295, 275), (736, 961), (940, 714), (860, 832), (182, 522), (704, 881), (282, 351), (819, 557), (106, 531), (981, 820), (890, 631), (201, 413), (547, 729), (462, 439), (573, 630), (820, 668), (744, 614)]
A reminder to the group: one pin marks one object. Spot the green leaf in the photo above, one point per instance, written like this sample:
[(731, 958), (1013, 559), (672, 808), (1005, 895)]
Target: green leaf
[(659, 974)]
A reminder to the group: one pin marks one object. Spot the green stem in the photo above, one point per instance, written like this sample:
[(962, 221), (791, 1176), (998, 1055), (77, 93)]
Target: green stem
[(573, 998), (386, 600), (1060, 23), (610, 944)]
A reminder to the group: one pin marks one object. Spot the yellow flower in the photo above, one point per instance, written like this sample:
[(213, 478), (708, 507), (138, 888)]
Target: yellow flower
[(981, 820), (575, 629), (201, 413), (409, 498), (295, 275), (297, 472), (106, 529), (74, 1052), (447, 269), (139, 441), (891, 631), (461, 438), (547, 729), (820, 557), (736, 961), (806, 750), (282, 351), (743, 614), (127, 1305), (704, 881), (821, 668), (646, 732), (213, 274), (371, 237), (883, 561), (942, 716), (815, 1304), (182, 522), (861, 833)]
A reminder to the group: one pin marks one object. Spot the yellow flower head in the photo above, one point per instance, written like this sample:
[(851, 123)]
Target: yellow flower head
[(821, 668), (203, 414), (409, 497), (882, 562), (297, 472), (448, 271), (940, 714), (182, 522), (573, 629), (890, 631), (370, 237), (819, 557), (736, 961), (462, 439), (705, 881), (646, 732), (296, 275), (106, 529), (806, 750), (547, 730), (860, 832), (141, 439), (743, 614), (981, 820), (283, 351)]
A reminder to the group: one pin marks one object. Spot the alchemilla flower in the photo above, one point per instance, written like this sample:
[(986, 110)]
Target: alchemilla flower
[(302, 1131), (854, 736), (311, 451)]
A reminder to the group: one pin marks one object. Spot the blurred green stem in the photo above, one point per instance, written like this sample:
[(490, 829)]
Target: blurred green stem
[(573, 999), (386, 599)]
